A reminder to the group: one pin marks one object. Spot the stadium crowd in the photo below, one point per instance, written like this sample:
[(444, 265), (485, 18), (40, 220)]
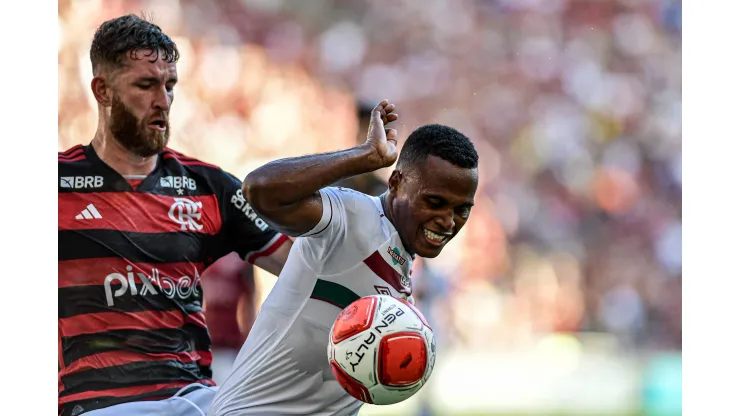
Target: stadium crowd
[(574, 106)]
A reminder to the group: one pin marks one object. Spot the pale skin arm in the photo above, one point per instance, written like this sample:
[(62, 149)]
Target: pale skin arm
[(274, 262)]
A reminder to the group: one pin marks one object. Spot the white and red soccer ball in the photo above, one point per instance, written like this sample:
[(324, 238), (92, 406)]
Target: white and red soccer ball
[(381, 349)]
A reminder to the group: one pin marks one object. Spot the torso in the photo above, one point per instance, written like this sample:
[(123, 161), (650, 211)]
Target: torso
[(283, 367), (131, 322)]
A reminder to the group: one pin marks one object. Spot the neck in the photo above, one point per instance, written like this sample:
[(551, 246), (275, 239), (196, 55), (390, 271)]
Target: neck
[(385, 202), (110, 151)]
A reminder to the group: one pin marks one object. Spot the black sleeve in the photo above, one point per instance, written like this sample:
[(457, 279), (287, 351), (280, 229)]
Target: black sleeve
[(243, 231)]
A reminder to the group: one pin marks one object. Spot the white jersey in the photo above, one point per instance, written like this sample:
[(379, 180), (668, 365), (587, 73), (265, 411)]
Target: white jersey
[(282, 369)]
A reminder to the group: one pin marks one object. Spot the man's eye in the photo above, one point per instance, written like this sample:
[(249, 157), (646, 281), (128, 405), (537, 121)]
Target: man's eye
[(434, 203), (463, 212)]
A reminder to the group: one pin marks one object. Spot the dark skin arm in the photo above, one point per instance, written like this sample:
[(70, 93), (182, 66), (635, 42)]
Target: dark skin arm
[(285, 192)]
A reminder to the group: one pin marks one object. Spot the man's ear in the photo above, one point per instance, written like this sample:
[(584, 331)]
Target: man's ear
[(102, 91), (394, 181)]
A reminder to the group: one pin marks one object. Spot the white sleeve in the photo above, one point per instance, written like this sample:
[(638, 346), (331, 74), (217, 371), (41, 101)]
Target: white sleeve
[(330, 221), (331, 231)]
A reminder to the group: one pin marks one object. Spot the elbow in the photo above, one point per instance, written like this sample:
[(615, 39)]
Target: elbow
[(256, 190)]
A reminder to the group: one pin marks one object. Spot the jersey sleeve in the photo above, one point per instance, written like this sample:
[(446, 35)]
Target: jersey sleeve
[(244, 231), (339, 223)]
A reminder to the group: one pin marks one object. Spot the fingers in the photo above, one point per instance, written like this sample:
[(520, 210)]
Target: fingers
[(378, 113), (391, 135), (383, 112), (389, 115)]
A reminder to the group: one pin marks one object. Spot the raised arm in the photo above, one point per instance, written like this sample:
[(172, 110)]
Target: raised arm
[(285, 192)]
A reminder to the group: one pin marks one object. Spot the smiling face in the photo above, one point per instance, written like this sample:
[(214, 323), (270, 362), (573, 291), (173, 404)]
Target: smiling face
[(142, 94), (430, 203)]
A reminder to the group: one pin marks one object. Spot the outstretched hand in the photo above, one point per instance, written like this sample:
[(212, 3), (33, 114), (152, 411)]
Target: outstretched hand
[(382, 139)]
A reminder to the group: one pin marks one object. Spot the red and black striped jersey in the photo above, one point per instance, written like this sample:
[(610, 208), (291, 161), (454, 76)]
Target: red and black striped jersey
[(131, 322)]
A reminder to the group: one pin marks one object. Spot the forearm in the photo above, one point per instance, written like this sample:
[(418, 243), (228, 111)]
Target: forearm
[(288, 181), (274, 263)]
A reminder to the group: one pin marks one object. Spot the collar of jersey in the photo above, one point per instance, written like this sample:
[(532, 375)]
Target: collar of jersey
[(92, 155), (381, 212)]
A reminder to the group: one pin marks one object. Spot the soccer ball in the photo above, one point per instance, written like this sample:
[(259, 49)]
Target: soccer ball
[(381, 349)]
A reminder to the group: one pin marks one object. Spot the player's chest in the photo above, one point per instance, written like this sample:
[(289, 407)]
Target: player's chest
[(139, 212), (386, 271), (96, 285)]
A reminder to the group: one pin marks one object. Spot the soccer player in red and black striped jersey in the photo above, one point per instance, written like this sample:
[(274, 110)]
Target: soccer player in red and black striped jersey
[(138, 225)]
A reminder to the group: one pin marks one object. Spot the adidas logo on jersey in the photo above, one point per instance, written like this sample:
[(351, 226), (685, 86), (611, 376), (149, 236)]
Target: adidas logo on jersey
[(80, 182), (89, 213)]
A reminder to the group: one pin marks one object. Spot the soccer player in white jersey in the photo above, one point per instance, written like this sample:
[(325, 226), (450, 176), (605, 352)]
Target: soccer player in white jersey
[(349, 245)]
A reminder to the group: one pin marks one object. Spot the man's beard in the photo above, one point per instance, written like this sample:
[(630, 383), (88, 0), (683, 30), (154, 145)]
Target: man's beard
[(134, 135)]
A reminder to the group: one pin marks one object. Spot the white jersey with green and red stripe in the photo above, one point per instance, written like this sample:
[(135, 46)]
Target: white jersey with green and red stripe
[(282, 369)]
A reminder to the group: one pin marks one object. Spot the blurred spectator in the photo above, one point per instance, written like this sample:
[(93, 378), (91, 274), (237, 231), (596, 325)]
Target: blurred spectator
[(430, 290), (367, 183), (574, 106), (230, 306)]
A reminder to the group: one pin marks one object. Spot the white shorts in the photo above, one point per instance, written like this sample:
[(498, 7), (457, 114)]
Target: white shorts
[(195, 403)]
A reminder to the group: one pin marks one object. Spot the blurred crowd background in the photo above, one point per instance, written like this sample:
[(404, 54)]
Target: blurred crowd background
[(572, 256)]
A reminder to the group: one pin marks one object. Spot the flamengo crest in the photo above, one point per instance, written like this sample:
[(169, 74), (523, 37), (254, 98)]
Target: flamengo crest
[(186, 213)]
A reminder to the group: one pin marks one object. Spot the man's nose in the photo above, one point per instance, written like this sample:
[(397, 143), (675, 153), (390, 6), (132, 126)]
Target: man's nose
[(162, 99)]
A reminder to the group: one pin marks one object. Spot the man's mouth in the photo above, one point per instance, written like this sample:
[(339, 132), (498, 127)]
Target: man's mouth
[(435, 238), (158, 124)]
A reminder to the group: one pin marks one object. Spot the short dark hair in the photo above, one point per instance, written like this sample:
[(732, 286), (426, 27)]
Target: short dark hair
[(441, 141), (126, 34)]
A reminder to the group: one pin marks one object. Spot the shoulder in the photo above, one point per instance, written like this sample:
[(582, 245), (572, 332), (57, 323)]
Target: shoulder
[(350, 197), (358, 208), (173, 156), (72, 163), (195, 167), (354, 229), (72, 155)]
